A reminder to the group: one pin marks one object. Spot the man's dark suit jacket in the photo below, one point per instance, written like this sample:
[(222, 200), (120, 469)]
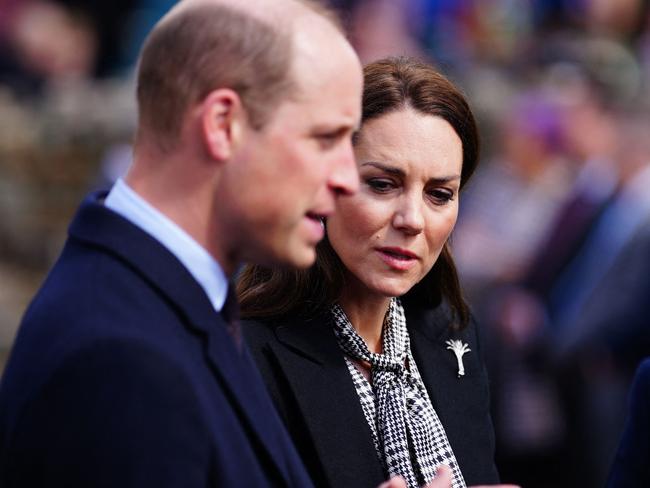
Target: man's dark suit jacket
[(631, 467), (309, 381), (123, 375)]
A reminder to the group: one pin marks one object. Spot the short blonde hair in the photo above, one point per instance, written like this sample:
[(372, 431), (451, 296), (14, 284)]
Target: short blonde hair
[(211, 45), (205, 47)]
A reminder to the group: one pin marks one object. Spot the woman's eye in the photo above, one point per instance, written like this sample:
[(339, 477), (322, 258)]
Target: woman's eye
[(440, 197), (380, 185)]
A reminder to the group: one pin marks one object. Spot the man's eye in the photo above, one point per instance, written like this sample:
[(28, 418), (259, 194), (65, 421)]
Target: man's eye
[(329, 139)]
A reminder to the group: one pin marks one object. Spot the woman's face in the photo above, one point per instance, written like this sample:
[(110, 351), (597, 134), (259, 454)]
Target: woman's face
[(390, 233)]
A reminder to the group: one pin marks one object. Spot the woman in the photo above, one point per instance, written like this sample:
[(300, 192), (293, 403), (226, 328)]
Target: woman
[(368, 384)]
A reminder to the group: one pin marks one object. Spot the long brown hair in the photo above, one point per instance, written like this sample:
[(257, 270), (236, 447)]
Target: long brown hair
[(390, 84)]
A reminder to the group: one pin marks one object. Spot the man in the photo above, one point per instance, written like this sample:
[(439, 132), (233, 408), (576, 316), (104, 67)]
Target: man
[(124, 372)]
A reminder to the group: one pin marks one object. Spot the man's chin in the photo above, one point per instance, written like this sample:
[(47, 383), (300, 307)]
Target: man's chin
[(302, 257), (290, 256)]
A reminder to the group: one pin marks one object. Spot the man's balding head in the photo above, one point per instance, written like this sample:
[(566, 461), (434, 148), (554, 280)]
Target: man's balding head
[(246, 115), (202, 45)]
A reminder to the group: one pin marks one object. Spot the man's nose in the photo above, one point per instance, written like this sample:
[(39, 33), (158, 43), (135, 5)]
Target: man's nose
[(344, 179)]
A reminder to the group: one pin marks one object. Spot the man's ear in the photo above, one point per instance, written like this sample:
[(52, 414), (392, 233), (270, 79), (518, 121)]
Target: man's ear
[(222, 122)]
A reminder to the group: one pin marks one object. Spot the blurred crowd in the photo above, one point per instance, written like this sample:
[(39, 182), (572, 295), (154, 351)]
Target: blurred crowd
[(553, 241)]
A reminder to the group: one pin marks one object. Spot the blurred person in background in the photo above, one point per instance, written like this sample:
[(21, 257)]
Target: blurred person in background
[(57, 41), (511, 205), (601, 331), (551, 402), (377, 26), (631, 468), (43, 41), (507, 215)]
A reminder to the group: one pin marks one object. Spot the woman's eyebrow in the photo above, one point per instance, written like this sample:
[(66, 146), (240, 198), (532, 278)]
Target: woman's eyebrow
[(384, 167), (400, 172), (444, 179)]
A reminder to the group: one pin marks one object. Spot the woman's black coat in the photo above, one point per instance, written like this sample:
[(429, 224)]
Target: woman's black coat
[(308, 379)]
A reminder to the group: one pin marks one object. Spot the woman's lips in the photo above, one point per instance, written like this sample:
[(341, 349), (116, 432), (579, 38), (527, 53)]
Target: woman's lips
[(397, 258)]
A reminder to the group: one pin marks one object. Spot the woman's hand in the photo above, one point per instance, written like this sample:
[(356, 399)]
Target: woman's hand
[(495, 486), (443, 480)]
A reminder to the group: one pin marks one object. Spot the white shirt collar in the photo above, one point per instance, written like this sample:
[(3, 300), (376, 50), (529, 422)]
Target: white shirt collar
[(201, 265)]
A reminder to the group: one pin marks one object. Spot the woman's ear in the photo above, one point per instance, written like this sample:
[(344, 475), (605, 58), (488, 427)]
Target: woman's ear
[(222, 118)]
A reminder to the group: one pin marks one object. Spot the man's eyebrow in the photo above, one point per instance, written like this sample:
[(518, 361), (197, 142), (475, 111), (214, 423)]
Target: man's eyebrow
[(340, 127)]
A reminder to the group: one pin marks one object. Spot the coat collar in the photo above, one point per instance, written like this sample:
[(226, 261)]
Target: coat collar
[(313, 337), (95, 225)]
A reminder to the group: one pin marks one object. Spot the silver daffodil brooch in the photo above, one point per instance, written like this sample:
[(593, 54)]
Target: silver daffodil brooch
[(459, 349)]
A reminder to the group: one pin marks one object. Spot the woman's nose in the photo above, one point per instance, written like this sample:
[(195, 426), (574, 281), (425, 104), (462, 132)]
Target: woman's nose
[(408, 216)]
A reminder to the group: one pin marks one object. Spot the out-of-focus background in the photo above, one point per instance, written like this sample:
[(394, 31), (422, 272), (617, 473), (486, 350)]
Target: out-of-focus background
[(553, 241)]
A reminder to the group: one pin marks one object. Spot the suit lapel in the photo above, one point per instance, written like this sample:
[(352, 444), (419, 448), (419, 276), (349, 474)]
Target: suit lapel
[(97, 226), (316, 370)]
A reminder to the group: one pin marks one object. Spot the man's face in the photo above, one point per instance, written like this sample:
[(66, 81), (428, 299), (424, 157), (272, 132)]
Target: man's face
[(291, 171)]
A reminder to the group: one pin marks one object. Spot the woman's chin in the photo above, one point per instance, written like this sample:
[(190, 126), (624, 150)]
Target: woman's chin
[(378, 285), (390, 291)]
